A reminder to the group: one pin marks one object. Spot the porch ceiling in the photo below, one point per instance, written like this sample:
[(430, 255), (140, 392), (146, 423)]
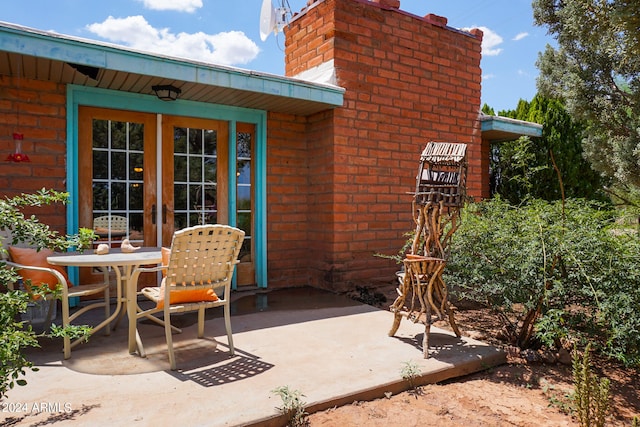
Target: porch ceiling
[(40, 55)]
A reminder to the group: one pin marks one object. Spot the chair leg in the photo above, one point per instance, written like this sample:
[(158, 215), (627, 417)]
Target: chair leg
[(52, 307), (200, 322), (227, 325), (141, 351), (167, 332), (65, 322)]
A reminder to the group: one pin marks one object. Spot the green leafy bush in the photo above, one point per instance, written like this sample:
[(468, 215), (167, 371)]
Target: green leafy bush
[(15, 336), (553, 272)]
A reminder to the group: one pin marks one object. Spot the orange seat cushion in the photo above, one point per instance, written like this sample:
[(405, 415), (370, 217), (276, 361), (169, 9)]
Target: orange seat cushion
[(35, 258), (182, 296)]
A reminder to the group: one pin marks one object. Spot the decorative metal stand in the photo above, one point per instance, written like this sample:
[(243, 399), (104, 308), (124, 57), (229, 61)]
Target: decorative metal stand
[(439, 195)]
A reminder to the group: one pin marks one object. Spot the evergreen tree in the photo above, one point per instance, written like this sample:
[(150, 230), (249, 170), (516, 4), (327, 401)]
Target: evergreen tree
[(525, 168), (595, 70)]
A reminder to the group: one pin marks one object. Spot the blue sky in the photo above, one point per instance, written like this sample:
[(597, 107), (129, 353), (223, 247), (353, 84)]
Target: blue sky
[(227, 33)]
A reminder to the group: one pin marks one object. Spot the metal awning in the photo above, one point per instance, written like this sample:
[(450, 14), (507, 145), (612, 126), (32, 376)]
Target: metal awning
[(41, 55)]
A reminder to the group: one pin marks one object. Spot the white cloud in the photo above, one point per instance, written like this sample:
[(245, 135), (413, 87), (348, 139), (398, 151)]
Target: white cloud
[(226, 48), (520, 36), (490, 41), (488, 76), (179, 5)]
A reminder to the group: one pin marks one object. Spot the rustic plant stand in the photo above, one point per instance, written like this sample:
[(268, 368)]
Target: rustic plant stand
[(436, 204)]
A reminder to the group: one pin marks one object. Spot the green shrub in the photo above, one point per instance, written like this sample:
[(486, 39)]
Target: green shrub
[(15, 336), (552, 271)]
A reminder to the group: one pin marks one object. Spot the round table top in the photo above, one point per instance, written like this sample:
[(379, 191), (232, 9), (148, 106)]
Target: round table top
[(144, 255)]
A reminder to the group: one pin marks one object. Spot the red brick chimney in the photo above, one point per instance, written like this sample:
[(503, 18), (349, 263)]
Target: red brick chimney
[(408, 80)]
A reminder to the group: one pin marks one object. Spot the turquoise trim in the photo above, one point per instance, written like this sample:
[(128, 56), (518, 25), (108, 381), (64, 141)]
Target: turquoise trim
[(505, 124), (103, 98), (72, 189), (260, 193), (232, 194)]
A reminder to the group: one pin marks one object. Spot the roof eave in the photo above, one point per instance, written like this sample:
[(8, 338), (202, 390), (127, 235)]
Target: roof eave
[(56, 47)]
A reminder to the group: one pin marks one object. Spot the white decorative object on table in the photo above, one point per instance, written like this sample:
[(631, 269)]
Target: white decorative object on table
[(127, 247), (102, 249)]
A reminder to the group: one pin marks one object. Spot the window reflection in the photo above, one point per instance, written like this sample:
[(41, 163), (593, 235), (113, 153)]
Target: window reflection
[(195, 177), (118, 173)]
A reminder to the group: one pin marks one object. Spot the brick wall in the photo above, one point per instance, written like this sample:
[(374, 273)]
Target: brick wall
[(408, 80), (36, 109), (337, 181), (287, 200)]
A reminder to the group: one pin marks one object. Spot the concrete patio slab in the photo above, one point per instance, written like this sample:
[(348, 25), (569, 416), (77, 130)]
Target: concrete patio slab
[(330, 348)]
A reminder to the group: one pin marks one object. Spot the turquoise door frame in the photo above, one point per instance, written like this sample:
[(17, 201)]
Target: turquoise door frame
[(103, 98)]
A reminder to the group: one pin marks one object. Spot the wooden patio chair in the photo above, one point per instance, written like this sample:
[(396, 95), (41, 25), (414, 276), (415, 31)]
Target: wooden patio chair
[(197, 274), (32, 266)]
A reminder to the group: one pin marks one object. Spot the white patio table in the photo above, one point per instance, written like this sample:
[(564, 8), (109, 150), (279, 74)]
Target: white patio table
[(123, 264)]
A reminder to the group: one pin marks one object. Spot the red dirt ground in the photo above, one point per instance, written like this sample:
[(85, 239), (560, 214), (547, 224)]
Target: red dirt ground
[(518, 393)]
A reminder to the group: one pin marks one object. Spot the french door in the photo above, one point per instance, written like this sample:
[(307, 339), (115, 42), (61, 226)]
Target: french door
[(158, 183)]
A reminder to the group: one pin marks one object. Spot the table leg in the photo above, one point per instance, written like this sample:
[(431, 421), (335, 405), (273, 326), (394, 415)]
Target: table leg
[(122, 295), (132, 309), (107, 322)]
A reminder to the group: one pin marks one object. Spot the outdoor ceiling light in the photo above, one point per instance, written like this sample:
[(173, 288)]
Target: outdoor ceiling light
[(166, 92)]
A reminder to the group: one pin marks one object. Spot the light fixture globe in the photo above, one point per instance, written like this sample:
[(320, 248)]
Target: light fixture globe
[(166, 92)]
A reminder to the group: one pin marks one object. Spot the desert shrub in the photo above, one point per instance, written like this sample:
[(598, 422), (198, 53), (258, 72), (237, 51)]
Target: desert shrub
[(552, 271), (292, 406), (591, 393)]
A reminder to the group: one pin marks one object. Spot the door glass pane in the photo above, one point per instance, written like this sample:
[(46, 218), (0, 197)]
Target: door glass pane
[(118, 165), (180, 221), (210, 143), (100, 196), (118, 187), (136, 197), (195, 177), (180, 196), (210, 170), (244, 191), (195, 141), (180, 168), (179, 140), (118, 196), (136, 136), (100, 164), (195, 169)]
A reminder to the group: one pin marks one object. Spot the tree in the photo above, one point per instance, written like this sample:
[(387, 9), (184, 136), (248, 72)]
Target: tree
[(595, 70), (527, 167)]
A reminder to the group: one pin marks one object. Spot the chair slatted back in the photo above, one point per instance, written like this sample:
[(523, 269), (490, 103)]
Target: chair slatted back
[(204, 255), (111, 222)]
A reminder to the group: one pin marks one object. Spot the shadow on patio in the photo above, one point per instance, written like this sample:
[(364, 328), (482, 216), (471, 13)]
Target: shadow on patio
[(332, 349)]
